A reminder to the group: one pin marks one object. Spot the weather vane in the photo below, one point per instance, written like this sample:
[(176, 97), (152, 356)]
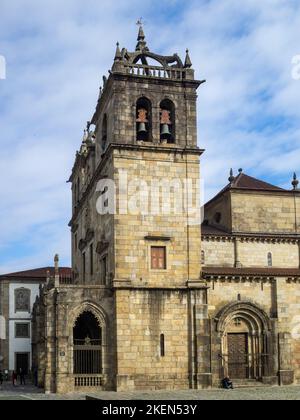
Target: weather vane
[(140, 22)]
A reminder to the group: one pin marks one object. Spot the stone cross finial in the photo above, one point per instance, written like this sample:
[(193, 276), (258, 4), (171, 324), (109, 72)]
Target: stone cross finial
[(118, 55), (56, 270), (231, 177), (142, 44), (188, 61), (295, 182)]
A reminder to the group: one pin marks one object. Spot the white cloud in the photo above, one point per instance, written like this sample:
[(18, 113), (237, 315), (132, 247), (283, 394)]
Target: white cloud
[(56, 53)]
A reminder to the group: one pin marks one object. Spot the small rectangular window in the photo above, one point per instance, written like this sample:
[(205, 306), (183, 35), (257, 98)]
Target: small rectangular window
[(158, 258), (22, 330), (162, 345)]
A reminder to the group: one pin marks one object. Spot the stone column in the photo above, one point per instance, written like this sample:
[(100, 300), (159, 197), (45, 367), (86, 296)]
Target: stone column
[(64, 382), (218, 363), (202, 327), (50, 344), (237, 262), (286, 373)]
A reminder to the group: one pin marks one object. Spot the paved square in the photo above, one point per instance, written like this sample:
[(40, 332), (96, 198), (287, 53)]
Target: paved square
[(7, 392)]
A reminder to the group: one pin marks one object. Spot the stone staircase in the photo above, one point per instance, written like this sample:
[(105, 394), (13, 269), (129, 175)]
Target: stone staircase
[(247, 383)]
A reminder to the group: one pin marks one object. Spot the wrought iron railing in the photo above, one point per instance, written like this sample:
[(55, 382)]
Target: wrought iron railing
[(87, 356), (254, 366), (66, 280)]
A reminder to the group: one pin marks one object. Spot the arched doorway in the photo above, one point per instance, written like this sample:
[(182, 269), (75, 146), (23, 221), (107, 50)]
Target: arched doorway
[(246, 341), (87, 340)]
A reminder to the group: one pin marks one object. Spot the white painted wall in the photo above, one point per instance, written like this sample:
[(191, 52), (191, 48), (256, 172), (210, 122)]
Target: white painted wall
[(19, 345), (33, 287), (2, 328)]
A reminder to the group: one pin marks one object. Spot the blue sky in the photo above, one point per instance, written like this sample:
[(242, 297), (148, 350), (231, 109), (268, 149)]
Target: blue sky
[(57, 52)]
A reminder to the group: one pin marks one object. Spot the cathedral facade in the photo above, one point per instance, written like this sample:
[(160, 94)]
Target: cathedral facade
[(158, 301)]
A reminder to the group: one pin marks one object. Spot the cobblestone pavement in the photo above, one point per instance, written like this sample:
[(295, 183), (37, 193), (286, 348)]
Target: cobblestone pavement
[(262, 393)]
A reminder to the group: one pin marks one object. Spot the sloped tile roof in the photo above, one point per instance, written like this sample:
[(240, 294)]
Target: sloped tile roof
[(249, 183), (38, 273)]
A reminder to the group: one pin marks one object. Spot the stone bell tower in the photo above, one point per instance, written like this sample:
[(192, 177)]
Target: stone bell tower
[(136, 236), (148, 252)]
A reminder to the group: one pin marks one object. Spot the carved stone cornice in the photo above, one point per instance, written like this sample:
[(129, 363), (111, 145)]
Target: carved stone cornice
[(270, 239), (238, 279), (157, 238)]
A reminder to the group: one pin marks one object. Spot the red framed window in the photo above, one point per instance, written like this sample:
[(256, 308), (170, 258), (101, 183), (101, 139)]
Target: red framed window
[(158, 258)]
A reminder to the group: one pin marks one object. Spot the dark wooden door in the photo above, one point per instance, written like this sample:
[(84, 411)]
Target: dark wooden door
[(22, 362), (238, 355)]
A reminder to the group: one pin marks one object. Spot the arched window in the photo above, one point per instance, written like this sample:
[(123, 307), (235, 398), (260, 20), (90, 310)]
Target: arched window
[(162, 345), (143, 120), (104, 133), (270, 259), (87, 336), (167, 121)]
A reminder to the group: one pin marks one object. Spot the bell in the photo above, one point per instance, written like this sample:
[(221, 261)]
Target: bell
[(165, 131), (142, 128)]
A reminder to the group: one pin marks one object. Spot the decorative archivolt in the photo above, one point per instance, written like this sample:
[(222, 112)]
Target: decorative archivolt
[(98, 313), (254, 316)]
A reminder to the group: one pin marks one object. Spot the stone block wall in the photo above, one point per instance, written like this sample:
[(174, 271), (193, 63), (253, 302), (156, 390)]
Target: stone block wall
[(141, 317), (218, 252), (288, 296), (255, 254), (136, 232), (223, 292), (265, 213)]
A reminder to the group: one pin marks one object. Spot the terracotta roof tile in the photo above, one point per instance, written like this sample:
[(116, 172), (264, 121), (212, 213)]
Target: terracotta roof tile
[(38, 273), (249, 183)]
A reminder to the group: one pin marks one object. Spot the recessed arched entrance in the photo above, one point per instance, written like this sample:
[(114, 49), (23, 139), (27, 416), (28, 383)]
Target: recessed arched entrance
[(246, 341), (87, 337)]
